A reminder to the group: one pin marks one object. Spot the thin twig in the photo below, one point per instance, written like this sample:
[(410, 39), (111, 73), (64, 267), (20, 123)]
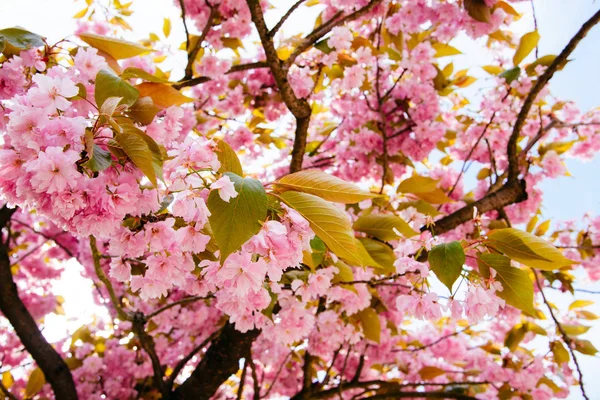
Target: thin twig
[(289, 12), (185, 300), (104, 279), (563, 333)]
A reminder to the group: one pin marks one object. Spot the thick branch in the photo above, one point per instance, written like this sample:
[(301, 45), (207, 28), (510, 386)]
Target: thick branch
[(219, 363), (298, 107), (558, 63), (510, 193), (147, 343), (55, 370)]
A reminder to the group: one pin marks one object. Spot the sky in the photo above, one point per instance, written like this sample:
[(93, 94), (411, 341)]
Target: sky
[(565, 198)]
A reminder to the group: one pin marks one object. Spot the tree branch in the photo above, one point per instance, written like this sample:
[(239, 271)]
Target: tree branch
[(298, 107), (325, 28), (218, 364), (289, 12), (558, 63), (55, 369), (104, 279), (236, 68), (147, 343), (563, 333), (181, 364), (194, 52), (183, 301)]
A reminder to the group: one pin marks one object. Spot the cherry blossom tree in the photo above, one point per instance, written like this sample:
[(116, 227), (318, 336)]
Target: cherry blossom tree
[(291, 218)]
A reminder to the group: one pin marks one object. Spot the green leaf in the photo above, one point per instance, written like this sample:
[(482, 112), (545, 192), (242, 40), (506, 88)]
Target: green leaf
[(36, 382), (162, 95), (13, 40), (527, 249), (235, 222), (228, 159), (370, 323), (382, 226), (328, 222), (517, 286), (381, 253), (116, 48), (143, 151), (511, 75), (108, 84), (528, 42), (446, 261), (323, 185)]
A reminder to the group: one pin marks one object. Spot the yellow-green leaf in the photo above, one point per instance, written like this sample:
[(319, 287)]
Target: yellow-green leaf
[(542, 228), (516, 283), (162, 95), (117, 48), (580, 304), (545, 61), (166, 27), (143, 151), (7, 379), (228, 159), (381, 253), (133, 72), (370, 323), (528, 42), (417, 184), (429, 373), (365, 257), (35, 383), (143, 110), (108, 84), (575, 329), (326, 186), (446, 261), (561, 354), (236, 221), (327, 221), (492, 69), (585, 347), (382, 226), (436, 196), (444, 50), (527, 249)]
